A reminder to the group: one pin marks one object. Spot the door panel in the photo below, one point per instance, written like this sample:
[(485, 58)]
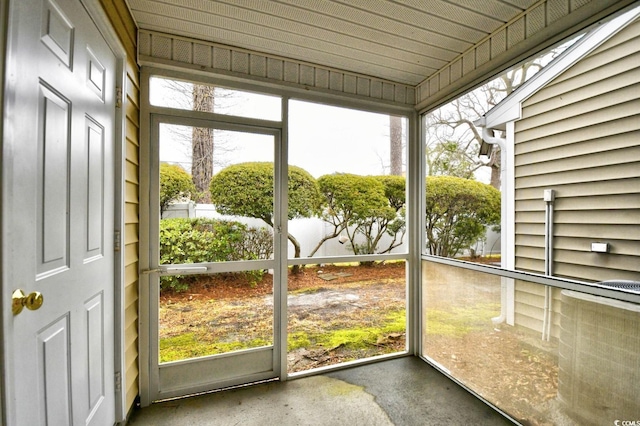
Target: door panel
[(218, 372), (94, 190), (94, 314), (55, 379), (57, 210), (53, 183)]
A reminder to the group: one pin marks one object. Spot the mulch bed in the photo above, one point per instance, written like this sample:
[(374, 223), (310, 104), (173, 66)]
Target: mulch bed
[(233, 286)]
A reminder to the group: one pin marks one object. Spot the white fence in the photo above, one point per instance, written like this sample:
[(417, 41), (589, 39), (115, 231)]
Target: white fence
[(310, 231)]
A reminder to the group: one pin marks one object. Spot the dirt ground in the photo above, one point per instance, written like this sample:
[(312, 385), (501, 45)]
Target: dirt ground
[(510, 367), (237, 286), (519, 378), (495, 361), (321, 298)]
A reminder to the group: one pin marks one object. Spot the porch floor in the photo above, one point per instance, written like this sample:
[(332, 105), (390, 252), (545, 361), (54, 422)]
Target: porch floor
[(403, 391)]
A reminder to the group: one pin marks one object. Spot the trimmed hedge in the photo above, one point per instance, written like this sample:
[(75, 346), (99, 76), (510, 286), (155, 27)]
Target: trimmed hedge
[(203, 240), (458, 211), (175, 184)]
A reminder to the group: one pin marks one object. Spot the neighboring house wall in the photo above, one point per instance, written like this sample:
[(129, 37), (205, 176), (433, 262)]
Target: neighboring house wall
[(580, 136), (529, 307), (121, 19)]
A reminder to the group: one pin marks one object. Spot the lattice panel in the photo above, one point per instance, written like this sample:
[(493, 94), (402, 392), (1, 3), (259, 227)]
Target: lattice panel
[(157, 49)]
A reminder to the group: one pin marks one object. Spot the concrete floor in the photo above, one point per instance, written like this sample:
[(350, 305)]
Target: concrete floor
[(403, 391)]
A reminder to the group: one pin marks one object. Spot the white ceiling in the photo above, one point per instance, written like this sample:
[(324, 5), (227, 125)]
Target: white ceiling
[(404, 41)]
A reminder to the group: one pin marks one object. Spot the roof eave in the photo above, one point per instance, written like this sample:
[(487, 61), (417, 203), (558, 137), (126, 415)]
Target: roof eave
[(510, 109)]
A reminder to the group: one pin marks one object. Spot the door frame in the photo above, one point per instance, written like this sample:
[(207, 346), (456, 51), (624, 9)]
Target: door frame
[(286, 92), (4, 27), (185, 377), (148, 378), (102, 22), (105, 28)]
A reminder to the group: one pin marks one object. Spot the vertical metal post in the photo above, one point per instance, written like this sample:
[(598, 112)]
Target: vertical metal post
[(281, 274), (549, 197)]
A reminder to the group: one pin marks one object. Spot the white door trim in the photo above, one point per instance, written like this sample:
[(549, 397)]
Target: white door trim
[(4, 9), (101, 20)]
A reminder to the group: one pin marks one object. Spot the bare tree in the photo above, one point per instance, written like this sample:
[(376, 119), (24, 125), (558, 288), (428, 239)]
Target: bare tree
[(199, 141), (395, 148), (453, 141), (202, 144)]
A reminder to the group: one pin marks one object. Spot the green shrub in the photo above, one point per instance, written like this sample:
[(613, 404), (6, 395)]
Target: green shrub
[(458, 211), (203, 240), (246, 189), (365, 208), (175, 184)]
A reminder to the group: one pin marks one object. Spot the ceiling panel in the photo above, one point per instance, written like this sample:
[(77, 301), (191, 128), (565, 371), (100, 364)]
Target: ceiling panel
[(404, 41), (484, 16)]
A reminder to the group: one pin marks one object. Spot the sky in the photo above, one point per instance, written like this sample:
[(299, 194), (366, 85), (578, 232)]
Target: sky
[(322, 139)]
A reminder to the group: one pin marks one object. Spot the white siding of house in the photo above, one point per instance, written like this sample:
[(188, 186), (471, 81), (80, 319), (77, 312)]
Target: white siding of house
[(580, 136)]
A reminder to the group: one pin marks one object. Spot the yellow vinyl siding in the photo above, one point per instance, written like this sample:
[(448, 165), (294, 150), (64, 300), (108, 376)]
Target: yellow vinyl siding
[(580, 189), (621, 201), (617, 48), (530, 229), (570, 116), (570, 151), (579, 135), (529, 305), (600, 173), (573, 243), (120, 17), (528, 265), (530, 217), (577, 90), (615, 126), (562, 123), (123, 23), (598, 217), (534, 240), (131, 242), (579, 84)]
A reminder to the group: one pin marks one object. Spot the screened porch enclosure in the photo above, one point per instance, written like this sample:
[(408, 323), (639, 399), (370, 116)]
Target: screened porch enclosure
[(539, 345), (525, 342)]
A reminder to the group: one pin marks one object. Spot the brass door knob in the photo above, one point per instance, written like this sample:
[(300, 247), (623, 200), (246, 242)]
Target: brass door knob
[(32, 301)]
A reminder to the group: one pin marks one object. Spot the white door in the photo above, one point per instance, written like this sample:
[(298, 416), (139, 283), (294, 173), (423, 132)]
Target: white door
[(57, 214)]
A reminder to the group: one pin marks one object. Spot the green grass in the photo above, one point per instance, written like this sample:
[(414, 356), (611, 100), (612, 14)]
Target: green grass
[(350, 338), (454, 322), (396, 322), (298, 340), (190, 345)]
